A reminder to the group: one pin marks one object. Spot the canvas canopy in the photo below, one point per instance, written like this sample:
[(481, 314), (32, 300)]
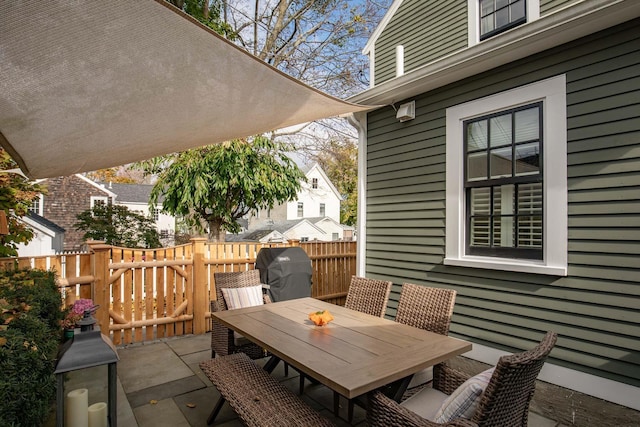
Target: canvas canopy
[(90, 84)]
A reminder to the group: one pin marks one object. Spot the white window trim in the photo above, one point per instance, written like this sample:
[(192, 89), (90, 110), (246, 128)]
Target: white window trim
[(552, 92), (94, 199), (40, 205), (533, 13)]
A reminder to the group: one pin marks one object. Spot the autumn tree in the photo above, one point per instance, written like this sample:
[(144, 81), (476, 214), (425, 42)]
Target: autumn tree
[(17, 194), (117, 225), (214, 186), (339, 159)]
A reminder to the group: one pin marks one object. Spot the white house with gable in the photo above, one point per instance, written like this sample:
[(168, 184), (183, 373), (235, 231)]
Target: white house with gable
[(314, 215)]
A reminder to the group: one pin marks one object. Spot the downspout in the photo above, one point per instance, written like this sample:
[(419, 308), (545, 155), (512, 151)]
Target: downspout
[(359, 121)]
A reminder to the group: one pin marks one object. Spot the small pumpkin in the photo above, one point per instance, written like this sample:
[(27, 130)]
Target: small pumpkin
[(320, 318)]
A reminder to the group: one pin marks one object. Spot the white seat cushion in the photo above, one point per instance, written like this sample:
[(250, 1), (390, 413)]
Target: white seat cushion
[(248, 296), (422, 377), (426, 402)]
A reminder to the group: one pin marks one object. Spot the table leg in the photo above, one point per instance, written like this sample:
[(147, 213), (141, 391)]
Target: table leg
[(271, 364)]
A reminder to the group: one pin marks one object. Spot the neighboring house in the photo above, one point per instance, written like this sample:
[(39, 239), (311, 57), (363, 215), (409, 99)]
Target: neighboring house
[(318, 203), (67, 197), (48, 238), (136, 198), (505, 165)]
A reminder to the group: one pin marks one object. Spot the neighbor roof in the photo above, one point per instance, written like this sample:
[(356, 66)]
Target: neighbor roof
[(86, 85)]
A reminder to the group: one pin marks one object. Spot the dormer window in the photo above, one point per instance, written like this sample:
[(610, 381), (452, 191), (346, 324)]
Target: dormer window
[(497, 16), (314, 183)]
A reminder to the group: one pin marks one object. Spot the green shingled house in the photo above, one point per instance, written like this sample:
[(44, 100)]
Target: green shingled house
[(504, 162)]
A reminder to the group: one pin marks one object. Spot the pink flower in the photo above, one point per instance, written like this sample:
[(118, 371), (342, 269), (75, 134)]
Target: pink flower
[(81, 305)]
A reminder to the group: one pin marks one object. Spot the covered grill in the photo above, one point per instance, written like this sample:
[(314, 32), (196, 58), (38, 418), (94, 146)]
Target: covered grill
[(286, 271)]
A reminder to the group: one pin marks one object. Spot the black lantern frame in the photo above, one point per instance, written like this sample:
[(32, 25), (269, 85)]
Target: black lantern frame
[(87, 349)]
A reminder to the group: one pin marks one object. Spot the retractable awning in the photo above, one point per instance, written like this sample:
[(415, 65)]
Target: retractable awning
[(90, 84)]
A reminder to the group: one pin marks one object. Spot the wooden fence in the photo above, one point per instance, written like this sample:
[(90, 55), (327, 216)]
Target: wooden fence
[(146, 294)]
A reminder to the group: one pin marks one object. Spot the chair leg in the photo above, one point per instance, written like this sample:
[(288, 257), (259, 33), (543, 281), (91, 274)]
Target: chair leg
[(216, 410), (286, 369), (336, 404)]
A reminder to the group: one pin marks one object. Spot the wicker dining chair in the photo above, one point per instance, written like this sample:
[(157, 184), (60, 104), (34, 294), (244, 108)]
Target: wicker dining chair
[(223, 339), (368, 295), (426, 308), (504, 402)]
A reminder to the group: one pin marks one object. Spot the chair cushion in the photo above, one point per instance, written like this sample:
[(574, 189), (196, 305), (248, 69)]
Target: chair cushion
[(248, 296), (465, 399), (426, 402)]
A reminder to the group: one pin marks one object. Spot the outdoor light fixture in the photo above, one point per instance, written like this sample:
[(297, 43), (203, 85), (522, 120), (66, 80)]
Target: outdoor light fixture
[(406, 111), (86, 378)]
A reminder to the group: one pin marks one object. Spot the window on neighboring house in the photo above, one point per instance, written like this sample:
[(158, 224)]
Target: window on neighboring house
[(500, 15), (36, 205), (322, 209), (95, 200), (304, 239), (164, 234), (314, 183), (335, 236), (300, 209), (155, 214), (506, 170), (503, 183)]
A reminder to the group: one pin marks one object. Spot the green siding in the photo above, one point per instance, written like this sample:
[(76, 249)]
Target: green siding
[(440, 25), (596, 309), (550, 6)]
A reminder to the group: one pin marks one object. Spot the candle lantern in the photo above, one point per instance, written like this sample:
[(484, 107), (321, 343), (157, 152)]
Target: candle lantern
[(86, 378)]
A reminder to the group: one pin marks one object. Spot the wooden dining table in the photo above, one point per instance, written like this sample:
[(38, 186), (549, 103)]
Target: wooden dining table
[(352, 355)]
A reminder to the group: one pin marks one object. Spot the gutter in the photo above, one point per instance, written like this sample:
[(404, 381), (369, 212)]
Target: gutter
[(568, 24)]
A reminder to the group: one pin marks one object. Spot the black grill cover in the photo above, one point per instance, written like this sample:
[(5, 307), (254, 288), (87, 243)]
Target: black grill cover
[(287, 271)]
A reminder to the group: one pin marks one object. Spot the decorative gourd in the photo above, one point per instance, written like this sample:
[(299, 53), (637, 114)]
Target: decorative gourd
[(320, 318)]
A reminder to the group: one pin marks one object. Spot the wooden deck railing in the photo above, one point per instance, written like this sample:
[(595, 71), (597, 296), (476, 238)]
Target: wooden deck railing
[(146, 294)]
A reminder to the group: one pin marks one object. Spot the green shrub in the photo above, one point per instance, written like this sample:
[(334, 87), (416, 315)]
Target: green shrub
[(29, 338)]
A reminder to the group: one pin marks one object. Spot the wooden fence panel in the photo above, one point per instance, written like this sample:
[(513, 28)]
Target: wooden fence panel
[(153, 293)]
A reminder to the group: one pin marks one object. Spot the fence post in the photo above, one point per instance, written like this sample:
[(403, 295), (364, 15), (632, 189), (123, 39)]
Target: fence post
[(199, 280), (100, 288)]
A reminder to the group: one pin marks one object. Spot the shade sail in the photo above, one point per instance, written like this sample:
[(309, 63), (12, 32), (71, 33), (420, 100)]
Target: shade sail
[(87, 84)]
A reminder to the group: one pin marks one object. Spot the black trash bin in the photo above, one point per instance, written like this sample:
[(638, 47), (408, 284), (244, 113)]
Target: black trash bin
[(286, 271)]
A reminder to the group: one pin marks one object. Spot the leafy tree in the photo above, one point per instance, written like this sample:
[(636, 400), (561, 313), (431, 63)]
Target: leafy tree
[(208, 13), (339, 159), (216, 185), (17, 194), (117, 225), (111, 175)]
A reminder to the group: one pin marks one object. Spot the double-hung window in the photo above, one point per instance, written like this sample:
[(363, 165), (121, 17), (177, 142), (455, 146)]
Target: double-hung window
[(503, 183), (497, 16), (506, 180), (488, 18)]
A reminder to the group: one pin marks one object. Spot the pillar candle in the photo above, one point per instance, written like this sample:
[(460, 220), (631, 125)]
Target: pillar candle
[(98, 415), (77, 404)]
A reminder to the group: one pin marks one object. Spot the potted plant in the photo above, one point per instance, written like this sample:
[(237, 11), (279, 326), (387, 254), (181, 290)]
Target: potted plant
[(74, 315)]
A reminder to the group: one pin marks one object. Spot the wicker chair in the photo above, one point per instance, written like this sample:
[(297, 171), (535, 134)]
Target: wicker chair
[(368, 295), (426, 308), (504, 403), (223, 339)]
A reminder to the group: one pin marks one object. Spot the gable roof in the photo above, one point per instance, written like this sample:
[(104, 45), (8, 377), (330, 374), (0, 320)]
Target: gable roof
[(567, 24), (316, 166), (132, 193), (381, 26), (37, 219)]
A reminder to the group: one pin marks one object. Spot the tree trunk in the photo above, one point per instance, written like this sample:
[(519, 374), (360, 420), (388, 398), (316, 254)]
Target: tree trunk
[(216, 233)]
